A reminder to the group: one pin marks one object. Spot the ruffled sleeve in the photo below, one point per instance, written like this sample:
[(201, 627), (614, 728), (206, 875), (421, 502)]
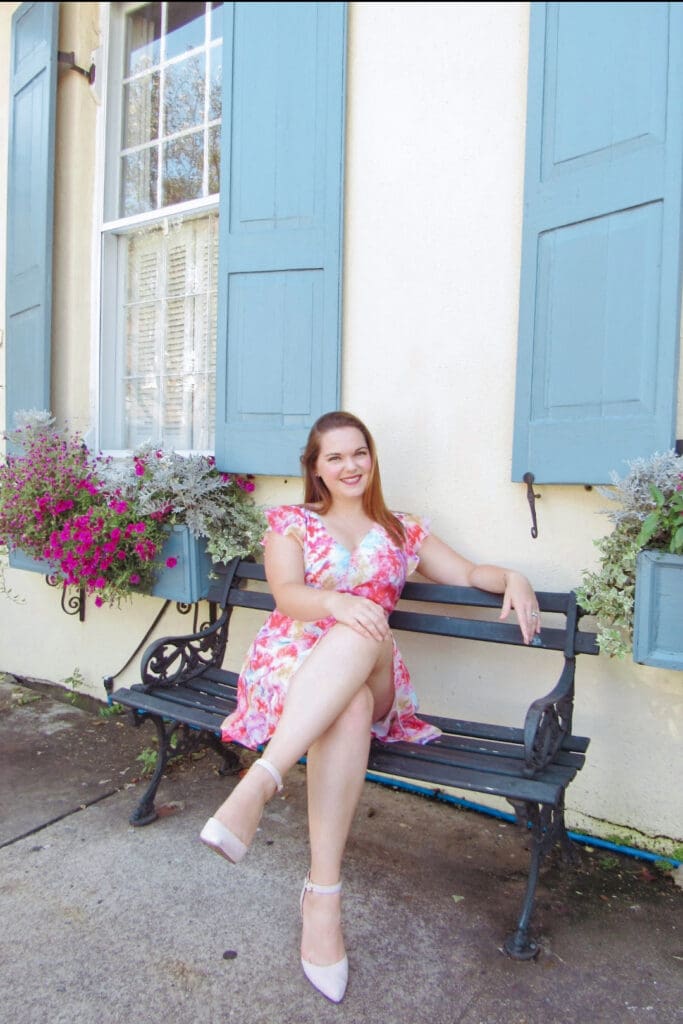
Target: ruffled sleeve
[(287, 520), (416, 529)]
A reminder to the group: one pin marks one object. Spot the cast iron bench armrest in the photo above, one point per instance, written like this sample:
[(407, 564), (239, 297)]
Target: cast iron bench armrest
[(175, 659), (548, 722)]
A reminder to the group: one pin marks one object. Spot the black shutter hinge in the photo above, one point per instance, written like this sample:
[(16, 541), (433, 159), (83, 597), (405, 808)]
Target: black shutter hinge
[(70, 59)]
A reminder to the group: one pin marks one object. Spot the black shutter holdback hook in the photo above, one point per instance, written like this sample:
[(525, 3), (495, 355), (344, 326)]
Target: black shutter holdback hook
[(531, 498), (70, 59)]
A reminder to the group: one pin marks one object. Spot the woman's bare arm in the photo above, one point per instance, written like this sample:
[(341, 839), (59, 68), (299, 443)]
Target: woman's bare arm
[(441, 564)]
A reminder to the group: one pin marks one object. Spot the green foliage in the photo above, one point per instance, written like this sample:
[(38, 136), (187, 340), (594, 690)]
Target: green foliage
[(148, 760), (648, 513), (148, 756), (75, 681), (111, 711), (59, 504), (609, 592), (101, 523), (663, 527), (22, 697)]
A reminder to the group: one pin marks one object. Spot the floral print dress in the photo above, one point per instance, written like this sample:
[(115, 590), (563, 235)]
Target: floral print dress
[(377, 569)]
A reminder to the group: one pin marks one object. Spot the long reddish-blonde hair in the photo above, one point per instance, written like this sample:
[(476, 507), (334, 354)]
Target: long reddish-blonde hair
[(315, 491)]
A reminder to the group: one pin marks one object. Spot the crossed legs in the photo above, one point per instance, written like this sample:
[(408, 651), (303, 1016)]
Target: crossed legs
[(345, 684), (338, 667)]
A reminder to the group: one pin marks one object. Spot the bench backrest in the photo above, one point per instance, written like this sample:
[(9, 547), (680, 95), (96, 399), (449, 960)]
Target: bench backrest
[(228, 590)]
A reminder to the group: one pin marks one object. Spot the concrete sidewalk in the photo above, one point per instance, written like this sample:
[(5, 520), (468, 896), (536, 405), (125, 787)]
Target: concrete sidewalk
[(106, 924)]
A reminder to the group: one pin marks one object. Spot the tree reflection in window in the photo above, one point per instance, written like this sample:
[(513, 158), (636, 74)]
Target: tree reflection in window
[(171, 105)]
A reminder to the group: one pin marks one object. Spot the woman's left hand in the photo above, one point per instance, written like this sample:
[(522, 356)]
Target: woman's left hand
[(519, 596)]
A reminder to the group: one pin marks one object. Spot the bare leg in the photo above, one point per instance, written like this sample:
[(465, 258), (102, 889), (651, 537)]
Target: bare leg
[(335, 670), (336, 767), (335, 773)]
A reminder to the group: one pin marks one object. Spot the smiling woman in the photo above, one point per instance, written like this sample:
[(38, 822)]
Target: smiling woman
[(324, 674)]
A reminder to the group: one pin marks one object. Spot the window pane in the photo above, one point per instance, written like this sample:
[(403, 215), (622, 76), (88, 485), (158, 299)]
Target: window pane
[(170, 348), (214, 160), (183, 164), (186, 28), (215, 82), (184, 95), (217, 21), (143, 36), (139, 181), (141, 110)]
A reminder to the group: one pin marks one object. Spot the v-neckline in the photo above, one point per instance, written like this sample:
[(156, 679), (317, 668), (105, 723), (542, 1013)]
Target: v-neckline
[(344, 547)]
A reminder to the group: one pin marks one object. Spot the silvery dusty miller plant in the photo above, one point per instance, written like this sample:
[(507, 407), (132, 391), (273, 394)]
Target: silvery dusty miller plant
[(648, 500), (191, 491)]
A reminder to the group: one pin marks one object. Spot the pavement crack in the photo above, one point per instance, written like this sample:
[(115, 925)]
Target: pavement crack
[(59, 817)]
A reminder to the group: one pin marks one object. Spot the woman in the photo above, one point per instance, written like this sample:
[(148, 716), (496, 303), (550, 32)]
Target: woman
[(324, 673)]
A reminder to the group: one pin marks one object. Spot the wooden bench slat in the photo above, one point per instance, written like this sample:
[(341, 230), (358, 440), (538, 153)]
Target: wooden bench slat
[(481, 761), (496, 748), (484, 730), (194, 717), (483, 782), (221, 675)]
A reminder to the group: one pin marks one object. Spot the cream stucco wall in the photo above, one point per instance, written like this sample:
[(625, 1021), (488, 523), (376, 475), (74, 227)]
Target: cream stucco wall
[(433, 213)]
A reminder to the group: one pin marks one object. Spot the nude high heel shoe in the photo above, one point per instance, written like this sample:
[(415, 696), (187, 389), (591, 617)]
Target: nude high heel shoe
[(331, 979), (220, 839)]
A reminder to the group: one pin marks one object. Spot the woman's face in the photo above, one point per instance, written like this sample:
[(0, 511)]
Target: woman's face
[(344, 462)]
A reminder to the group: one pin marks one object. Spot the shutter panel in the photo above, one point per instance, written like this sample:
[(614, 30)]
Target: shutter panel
[(280, 226), (600, 289), (33, 86)]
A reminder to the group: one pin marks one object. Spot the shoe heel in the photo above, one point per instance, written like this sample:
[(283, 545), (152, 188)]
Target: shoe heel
[(222, 841)]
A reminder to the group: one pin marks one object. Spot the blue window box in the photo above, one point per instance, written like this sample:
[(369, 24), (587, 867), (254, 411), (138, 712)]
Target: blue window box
[(20, 560), (187, 582), (658, 615)]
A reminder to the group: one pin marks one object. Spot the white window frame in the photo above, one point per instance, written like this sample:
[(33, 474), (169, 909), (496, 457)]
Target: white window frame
[(108, 279)]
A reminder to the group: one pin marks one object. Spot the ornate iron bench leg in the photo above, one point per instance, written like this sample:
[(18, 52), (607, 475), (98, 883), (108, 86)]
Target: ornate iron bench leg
[(568, 849), (542, 824), (145, 812)]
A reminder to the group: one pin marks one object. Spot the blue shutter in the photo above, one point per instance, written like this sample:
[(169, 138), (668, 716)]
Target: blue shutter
[(279, 300), (601, 268), (33, 80)]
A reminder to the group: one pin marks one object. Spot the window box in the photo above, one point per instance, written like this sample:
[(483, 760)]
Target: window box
[(187, 582), (20, 560), (657, 632)]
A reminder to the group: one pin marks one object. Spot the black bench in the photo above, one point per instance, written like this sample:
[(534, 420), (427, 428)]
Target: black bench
[(186, 694)]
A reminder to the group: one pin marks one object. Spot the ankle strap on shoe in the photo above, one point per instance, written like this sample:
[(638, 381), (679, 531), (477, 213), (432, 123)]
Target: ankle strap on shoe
[(325, 890), (272, 770)]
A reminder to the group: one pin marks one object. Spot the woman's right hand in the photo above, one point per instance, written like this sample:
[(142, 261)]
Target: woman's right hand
[(360, 613)]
